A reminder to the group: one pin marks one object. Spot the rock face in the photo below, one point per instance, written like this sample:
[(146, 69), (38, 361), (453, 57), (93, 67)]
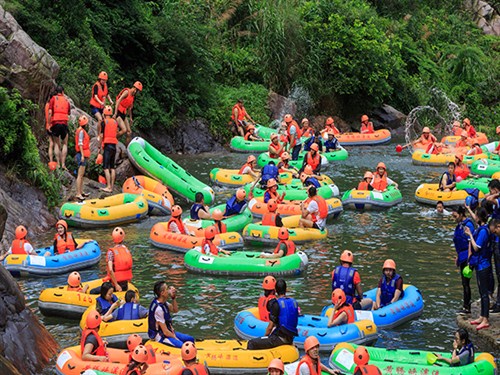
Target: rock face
[(387, 117), (486, 16)]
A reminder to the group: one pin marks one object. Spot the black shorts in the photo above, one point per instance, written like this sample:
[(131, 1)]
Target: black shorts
[(59, 130), (49, 133), (315, 226), (94, 110), (121, 115), (356, 305), (109, 156)]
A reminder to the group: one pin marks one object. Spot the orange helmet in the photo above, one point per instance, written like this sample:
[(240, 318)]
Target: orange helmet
[(83, 120), (329, 121), (466, 121), (330, 132), (347, 256), (272, 206), (108, 111), (456, 124), (133, 341), (93, 319), (361, 356), (52, 165), (188, 351), (21, 232), (338, 295), (288, 118), (304, 120), (98, 160), (464, 134), (459, 157), (274, 136), (285, 156), (368, 174), (118, 235), (498, 129), (389, 263), (315, 147), (176, 210), (271, 182), (426, 129), (310, 343), (138, 85), (269, 283), (250, 127), (308, 170), (217, 214), (140, 354), (251, 159), (63, 223), (241, 194), (103, 75), (381, 165), (276, 364), (210, 232), (283, 234), (74, 279), (364, 118)]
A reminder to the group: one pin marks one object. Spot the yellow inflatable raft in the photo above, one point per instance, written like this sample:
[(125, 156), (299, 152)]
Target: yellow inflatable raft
[(451, 140), (419, 157), (231, 178), (160, 201), (291, 208), (429, 194)]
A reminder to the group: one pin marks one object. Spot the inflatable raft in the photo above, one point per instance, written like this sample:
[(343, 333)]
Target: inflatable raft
[(248, 325), (239, 144), (451, 140), (160, 201), (365, 199), (245, 264), (234, 223), (429, 194), (110, 211), (162, 238), (407, 308), (39, 265), (231, 178), (357, 139), (295, 191), (485, 167), (290, 208), (59, 301), (409, 362), (152, 162), (326, 157)]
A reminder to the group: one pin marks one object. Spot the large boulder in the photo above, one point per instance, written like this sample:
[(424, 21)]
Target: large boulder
[(280, 105), (387, 117)]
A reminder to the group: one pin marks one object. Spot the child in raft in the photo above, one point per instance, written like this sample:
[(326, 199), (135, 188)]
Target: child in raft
[(463, 350), (207, 245), (365, 183), (343, 313), (390, 286), (75, 283)]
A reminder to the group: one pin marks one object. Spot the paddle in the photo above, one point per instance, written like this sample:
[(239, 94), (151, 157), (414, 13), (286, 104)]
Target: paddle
[(431, 358)]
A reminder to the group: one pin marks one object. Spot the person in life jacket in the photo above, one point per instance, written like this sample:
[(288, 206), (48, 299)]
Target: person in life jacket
[(426, 138), (461, 169), (275, 148), (347, 278), (75, 283), (250, 134), (82, 147), (220, 226), (92, 346), (63, 240), (307, 131), (269, 286), (463, 141), (309, 179), (269, 172), (313, 158), (276, 367), (139, 358), (314, 211), (249, 167), (20, 245), (495, 151), (175, 224), (330, 126), (272, 218), (124, 106), (239, 118), (332, 143), (237, 203), (361, 359), (99, 95), (283, 320), (477, 150), (366, 125), (59, 110), (343, 312), (436, 148), (160, 326), (492, 198), (119, 262), (284, 248), (456, 129), (365, 183), (463, 350), (390, 286), (199, 210), (471, 131), (310, 363), (106, 299), (448, 181), (272, 192), (314, 138), (130, 310), (294, 134), (207, 245), (111, 131), (191, 365), (284, 165), (52, 164), (380, 180)]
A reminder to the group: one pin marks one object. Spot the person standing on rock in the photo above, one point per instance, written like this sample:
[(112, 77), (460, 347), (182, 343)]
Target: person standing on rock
[(82, 146), (239, 117), (52, 163), (98, 100), (59, 110), (124, 106)]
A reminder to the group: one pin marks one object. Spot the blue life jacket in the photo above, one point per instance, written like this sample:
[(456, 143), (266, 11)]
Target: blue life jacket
[(152, 331), (388, 290), (194, 211), (461, 240), (343, 278), (449, 179), (311, 140), (312, 181), (481, 259), (129, 311), (105, 305), (469, 348), (289, 314), (496, 210), (234, 207), (269, 171), (267, 196), (331, 145)]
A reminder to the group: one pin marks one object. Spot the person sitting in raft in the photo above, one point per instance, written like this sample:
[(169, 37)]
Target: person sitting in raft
[(284, 165), (272, 218), (495, 151), (461, 169), (20, 245), (92, 346), (284, 248), (477, 150), (332, 143), (272, 192), (309, 179), (440, 210), (276, 367), (250, 134), (220, 226), (138, 364), (207, 245), (471, 131), (316, 212), (106, 299), (343, 312), (361, 359), (426, 138), (191, 365), (199, 210), (365, 183), (160, 326), (275, 147), (366, 125), (380, 180), (270, 171), (463, 141), (310, 363), (463, 350), (313, 158), (249, 167), (390, 286), (237, 203), (315, 138), (64, 241), (456, 130), (175, 224), (448, 181), (75, 283), (130, 310), (330, 125), (347, 278), (307, 131), (269, 286), (436, 148), (239, 118)]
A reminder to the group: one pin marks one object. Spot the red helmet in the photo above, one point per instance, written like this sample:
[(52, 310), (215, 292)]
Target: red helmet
[(269, 283), (272, 206), (347, 256), (283, 234), (277, 364), (133, 341), (338, 295), (176, 210), (217, 214), (389, 263), (251, 159), (118, 235), (98, 160), (310, 343), (108, 111), (188, 351), (308, 170), (63, 223), (103, 75), (21, 232), (240, 194), (83, 120), (329, 121), (93, 319), (138, 85), (74, 279), (288, 118), (271, 182), (210, 232), (315, 147), (140, 354), (361, 356), (364, 118)]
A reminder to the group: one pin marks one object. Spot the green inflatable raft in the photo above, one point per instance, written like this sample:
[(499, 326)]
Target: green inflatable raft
[(485, 167), (152, 162), (245, 264), (326, 157), (234, 223), (239, 144), (365, 199), (475, 183), (409, 362), (295, 190)]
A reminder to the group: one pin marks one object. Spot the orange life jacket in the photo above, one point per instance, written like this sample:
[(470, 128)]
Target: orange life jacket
[(290, 247), (196, 369), (276, 148), (122, 263), (471, 131), (101, 348), (307, 133), (461, 143), (368, 370), (313, 161), (179, 223), (241, 112), (213, 249), (70, 288), (367, 129), (60, 109), (332, 128), (47, 123), (127, 102), (462, 171), (86, 142), (63, 245), (322, 207), (314, 369), (110, 131), (17, 247), (379, 182), (426, 141), (348, 309), (298, 133), (363, 185), (220, 227), (243, 168), (269, 219), (263, 311), (102, 92)]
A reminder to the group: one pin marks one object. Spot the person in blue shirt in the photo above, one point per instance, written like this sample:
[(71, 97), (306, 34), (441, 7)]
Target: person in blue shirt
[(268, 172), (237, 203), (316, 138), (106, 299), (199, 210), (463, 350), (493, 198), (130, 310), (332, 143)]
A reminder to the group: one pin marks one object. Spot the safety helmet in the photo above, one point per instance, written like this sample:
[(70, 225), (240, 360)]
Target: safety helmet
[(74, 279), (138, 85), (285, 156), (93, 319), (108, 111), (99, 160), (241, 194), (364, 118), (347, 256), (329, 121), (304, 120), (464, 134), (381, 165), (103, 75), (133, 341), (21, 232), (210, 232), (271, 182), (283, 234), (63, 223), (426, 129), (368, 174), (310, 343), (140, 354), (217, 214), (272, 205), (308, 170), (52, 165), (288, 118), (269, 283), (251, 159), (466, 121), (389, 263), (188, 351), (330, 132), (315, 147), (118, 235), (274, 136), (277, 364), (176, 210), (83, 120), (338, 295), (457, 124), (459, 157), (361, 356), (250, 127)]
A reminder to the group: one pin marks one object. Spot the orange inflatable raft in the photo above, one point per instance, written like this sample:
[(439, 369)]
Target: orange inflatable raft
[(291, 208), (160, 200)]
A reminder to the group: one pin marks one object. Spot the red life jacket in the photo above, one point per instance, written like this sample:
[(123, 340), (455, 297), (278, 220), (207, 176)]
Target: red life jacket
[(314, 369), (179, 223), (241, 112), (274, 195), (363, 185), (298, 133), (247, 135), (244, 166), (368, 370), (269, 219), (86, 142), (220, 227), (47, 123), (127, 102), (102, 92), (122, 263), (63, 245), (322, 207), (348, 309), (290, 247), (101, 348), (263, 312), (313, 161), (379, 182), (462, 171), (471, 131), (276, 148), (367, 129), (307, 133), (60, 109), (110, 131), (461, 143), (213, 249), (17, 247)]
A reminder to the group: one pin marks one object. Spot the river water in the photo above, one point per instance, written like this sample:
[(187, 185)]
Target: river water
[(420, 243)]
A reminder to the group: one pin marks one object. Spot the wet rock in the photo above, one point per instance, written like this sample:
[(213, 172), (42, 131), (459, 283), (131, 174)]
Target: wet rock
[(90, 186), (486, 15), (280, 105), (387, 117), (124, 171)]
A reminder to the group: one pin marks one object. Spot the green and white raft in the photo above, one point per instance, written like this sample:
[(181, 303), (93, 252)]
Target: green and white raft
[(295, 190), (485, 167), (243, 263), (152, 162), (231, 177), (326, 157), (409, 362), (475, 183), (365, 199), (234, 223), (239, 144)]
